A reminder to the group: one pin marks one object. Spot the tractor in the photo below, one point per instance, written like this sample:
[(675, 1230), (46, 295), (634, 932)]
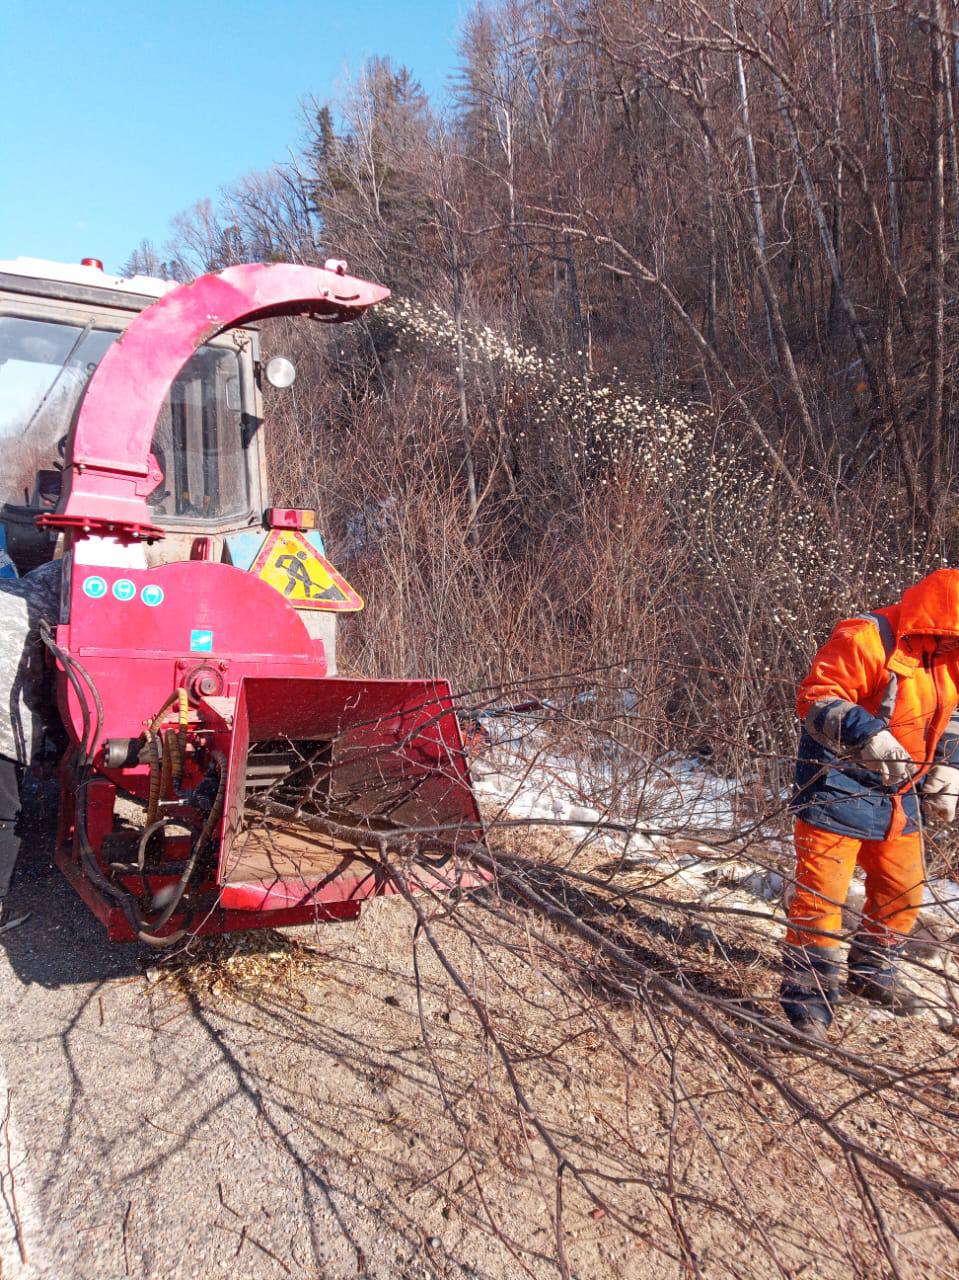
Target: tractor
[(214, 771)]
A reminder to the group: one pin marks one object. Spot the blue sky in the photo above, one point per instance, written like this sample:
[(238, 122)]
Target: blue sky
[(117, 115)]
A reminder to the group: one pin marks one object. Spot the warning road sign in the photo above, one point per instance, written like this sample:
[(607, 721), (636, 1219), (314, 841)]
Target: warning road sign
[(297, 570)]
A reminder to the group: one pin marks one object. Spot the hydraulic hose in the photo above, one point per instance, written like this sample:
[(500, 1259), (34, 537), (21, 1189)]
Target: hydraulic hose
[(156, 777), (157, 719), (89, 737), (46, 635), (167, 767), (166, 771), (184, 714), (216, 809), (98, 706), (166, 751), (148, 934), (148, 833), (168, 939), (175, 753)]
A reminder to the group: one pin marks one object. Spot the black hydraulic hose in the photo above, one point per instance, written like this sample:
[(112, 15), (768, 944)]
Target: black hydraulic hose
[(97, 702), (216, 809), (71, 666), (145, 840), (46, 635), (167, 940), (154, 747), (146, 934)]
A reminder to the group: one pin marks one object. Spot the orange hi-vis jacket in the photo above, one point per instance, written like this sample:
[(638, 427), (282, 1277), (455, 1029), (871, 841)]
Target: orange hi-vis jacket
[(881, 670)]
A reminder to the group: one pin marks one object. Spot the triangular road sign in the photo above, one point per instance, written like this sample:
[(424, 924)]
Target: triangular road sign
[(289, 563)]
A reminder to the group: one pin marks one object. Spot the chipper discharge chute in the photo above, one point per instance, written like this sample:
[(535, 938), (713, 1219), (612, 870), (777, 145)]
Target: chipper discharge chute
[(217, 774)]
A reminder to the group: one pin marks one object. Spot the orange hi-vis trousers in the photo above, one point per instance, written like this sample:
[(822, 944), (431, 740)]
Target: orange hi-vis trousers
[(825, 862)]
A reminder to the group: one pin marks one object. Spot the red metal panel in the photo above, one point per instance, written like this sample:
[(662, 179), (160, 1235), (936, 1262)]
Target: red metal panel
[(158, 610), (141, 627), (347, 889)]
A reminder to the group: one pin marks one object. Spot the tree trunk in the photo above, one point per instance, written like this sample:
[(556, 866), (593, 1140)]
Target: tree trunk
[(830, 7), (753, 170), (937, 255), (892, 188)]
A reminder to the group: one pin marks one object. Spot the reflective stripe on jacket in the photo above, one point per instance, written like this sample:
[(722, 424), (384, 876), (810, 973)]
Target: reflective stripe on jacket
[(879, 671)]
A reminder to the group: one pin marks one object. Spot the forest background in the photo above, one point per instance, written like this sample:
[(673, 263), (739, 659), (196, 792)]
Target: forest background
[(665, 384)]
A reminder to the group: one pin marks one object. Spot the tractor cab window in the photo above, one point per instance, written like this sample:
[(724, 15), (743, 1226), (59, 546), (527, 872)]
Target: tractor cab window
[(200, 440), (44, 368)]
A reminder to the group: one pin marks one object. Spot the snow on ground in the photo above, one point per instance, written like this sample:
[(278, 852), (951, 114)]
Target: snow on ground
[(526, 777), (522, 776), (941, 904)]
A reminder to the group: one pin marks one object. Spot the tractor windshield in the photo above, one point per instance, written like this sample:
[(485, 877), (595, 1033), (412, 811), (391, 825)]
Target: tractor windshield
[(43, 370), (199, 441)]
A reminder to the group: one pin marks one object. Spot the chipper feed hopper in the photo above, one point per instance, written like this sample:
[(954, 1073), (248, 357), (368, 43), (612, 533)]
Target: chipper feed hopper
[(216, 774)]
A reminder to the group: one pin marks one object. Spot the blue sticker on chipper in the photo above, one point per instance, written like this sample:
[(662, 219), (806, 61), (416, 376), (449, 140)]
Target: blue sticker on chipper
[(95, 587), (201, 641), (152, 595), (124, 589)]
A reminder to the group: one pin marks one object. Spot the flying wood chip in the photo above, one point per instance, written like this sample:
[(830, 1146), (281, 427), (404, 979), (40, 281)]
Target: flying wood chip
[(297, 570)]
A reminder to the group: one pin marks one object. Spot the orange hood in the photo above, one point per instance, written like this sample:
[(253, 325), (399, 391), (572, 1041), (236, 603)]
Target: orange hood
[(931, 606)]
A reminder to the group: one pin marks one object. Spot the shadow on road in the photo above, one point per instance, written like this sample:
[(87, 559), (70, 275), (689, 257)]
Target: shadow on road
[(62, 943)]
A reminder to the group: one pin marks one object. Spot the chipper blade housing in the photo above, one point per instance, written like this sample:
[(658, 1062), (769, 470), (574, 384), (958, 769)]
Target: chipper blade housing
[(329, 780)]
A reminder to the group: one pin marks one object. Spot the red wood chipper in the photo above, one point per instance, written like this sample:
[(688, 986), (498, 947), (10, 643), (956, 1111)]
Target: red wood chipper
[(216, 773)]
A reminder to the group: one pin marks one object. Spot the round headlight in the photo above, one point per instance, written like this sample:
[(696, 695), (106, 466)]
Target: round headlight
[(280, 372)]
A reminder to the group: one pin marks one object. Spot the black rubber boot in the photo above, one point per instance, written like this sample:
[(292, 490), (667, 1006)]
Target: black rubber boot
[(874, 975), (810, 988), (812, 1029)]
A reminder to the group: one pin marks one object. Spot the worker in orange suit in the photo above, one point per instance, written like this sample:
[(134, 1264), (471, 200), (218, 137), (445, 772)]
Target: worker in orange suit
[(880, 737)]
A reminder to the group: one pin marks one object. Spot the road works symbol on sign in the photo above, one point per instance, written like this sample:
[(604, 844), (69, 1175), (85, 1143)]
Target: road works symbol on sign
[(297, 570)]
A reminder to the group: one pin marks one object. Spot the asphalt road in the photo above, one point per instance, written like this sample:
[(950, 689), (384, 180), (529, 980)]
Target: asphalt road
[(152, 1133)]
